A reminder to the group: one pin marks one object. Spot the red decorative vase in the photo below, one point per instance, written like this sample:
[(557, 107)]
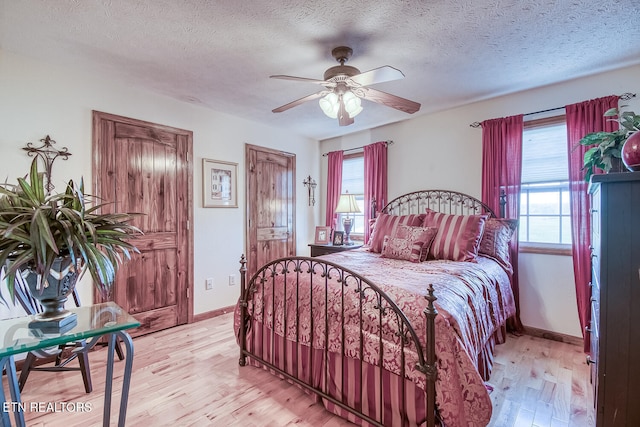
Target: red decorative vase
[(631, 152)]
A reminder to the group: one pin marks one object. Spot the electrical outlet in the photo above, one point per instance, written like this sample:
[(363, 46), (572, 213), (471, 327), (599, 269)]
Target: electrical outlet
[(209, 284), (232, 279)]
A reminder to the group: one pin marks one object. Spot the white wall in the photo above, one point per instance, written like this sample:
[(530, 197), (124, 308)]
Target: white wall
[(441, 151), (38, 99)]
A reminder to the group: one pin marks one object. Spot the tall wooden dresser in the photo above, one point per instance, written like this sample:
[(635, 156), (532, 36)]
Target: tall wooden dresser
[(615, 298)]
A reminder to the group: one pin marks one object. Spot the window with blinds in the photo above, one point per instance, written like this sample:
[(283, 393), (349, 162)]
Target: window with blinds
[(544, 196), (353, 183)]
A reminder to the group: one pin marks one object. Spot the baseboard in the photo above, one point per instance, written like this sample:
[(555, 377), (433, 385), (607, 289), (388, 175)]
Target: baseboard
[(554, 336), (213, 313)]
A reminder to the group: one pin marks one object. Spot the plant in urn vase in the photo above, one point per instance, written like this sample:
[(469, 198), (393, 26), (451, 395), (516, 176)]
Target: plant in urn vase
[(609, 148), (50, 240)]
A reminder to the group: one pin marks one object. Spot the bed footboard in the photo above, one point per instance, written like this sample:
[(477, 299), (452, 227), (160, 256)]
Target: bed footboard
[(337, 335)]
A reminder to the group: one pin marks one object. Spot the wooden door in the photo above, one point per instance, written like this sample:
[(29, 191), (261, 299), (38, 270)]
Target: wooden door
[(146, 168), (270, 205)]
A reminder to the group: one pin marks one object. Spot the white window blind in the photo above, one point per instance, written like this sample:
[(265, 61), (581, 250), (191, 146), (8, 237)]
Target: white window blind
[(353, 175), (544, 154), (544, 195)]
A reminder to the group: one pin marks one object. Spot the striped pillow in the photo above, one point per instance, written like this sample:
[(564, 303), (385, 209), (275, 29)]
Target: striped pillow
[(386, 225), (495, 240), (458, 237)]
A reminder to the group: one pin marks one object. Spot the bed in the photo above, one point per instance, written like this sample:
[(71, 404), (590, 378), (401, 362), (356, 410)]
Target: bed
[(400, 333)]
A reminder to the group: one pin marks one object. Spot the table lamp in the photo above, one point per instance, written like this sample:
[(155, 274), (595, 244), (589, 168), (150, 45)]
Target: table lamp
[(346, 205)]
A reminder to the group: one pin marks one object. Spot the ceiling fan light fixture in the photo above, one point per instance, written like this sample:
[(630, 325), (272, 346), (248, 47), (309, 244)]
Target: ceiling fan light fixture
[(345, 86), (330, 104), (352, 104)]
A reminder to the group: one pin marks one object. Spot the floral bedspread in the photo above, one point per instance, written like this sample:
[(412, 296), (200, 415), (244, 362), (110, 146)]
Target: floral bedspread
[(474, 300)]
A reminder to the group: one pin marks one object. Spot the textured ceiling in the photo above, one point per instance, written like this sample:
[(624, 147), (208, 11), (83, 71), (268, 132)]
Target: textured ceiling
[(221, 53)]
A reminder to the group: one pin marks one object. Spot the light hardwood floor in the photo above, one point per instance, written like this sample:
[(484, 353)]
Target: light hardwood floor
[(189, 376)]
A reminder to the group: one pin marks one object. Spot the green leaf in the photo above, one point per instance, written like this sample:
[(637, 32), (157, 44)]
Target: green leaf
[(37, 180), (44, 232), (611, 112), (589, 155), (31, 198)]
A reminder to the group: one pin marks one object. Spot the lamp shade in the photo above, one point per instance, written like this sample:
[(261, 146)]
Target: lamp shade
[(352, 104), (330, 105), (347, 204)]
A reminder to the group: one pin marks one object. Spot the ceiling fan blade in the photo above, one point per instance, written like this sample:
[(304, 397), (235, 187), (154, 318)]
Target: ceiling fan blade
[(377, 75), (300, 101), (389, 100), (343, 116), (300, 79)]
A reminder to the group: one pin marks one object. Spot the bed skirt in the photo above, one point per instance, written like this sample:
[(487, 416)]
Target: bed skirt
[(384, 394)]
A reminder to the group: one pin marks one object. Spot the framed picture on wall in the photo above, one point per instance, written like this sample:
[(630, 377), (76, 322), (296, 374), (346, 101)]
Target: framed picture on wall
[(219, 184), (338, 238), (323, 235)]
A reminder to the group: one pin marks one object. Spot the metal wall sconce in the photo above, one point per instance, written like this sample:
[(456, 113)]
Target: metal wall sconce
[(310, 183), (48, 153)]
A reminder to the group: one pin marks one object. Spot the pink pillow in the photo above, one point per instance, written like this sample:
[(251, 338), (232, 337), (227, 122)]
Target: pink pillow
[(409, 243), (495, 240), (405, 249), (418, 234), (386, 225), (458, 237)]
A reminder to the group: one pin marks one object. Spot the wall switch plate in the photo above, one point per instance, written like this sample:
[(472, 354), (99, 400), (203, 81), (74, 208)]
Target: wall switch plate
[(232, 279), (209, 284)]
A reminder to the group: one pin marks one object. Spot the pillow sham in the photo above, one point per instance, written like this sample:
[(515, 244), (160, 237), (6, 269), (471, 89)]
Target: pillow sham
[(386, 225), (458, 237), (404, 249), (409, 243), (495, 240), (418, 234)]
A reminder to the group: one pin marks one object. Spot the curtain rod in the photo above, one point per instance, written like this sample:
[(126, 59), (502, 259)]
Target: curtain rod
[(388, 142), (625, 97)]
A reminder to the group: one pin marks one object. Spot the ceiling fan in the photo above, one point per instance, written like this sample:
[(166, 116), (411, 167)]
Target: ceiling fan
[(344, 87)]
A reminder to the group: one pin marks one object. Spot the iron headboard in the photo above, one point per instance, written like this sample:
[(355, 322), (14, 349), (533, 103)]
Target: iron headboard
[(445, 201)]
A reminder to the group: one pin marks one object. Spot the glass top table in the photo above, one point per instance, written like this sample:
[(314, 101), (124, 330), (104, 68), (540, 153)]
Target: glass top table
[(93, 321)]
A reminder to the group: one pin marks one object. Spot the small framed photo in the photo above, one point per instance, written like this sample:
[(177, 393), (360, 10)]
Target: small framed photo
[(219, 184), (323, 235), (338, 238)]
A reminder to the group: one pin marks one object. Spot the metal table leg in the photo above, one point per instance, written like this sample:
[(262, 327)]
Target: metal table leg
[(126, 380), (9, 365)]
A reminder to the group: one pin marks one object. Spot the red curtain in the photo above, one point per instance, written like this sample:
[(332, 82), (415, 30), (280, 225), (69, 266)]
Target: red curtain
[(334, 186), (501, 171), (375, 180), (583, 118)]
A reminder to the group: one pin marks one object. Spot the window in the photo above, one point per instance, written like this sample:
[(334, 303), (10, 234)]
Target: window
[(545, 218), (353, 182)]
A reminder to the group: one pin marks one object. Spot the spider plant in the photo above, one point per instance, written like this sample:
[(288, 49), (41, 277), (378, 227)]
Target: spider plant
[(36, 228)]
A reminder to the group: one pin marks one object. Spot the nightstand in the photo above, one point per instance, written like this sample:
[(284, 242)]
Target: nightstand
[(317, 250)]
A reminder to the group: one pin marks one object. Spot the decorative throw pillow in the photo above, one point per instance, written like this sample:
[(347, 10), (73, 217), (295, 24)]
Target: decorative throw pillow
[(405, 249), (495, 240), (418, 234), (386, 225), (458, 237)]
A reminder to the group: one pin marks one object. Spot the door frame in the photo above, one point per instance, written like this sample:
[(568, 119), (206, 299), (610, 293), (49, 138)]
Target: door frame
[(186, 166)]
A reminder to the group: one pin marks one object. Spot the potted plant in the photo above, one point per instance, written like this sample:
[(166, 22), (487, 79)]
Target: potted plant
[(607, 151), (52, 239)]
